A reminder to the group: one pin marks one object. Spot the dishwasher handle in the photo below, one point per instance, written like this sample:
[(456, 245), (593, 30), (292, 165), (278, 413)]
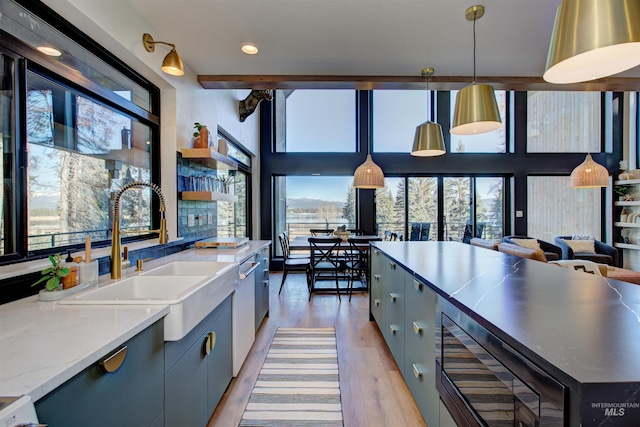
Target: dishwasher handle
[(245, 274)]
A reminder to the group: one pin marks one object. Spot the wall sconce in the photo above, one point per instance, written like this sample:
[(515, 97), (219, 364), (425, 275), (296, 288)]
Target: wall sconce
[(476, 109), (172, 64), (593, 39)]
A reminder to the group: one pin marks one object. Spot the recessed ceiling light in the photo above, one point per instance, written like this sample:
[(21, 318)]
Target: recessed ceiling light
[(249, 48), (48, 50)]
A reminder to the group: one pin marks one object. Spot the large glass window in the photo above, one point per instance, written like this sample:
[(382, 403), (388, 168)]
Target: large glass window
[(80, 154), (489, 207), (390, 205), (306, 202), (396, 114), (564, 122), (7, 112), (423, 208), (320, 121), (492, 142), (578, 212), (457, 207)]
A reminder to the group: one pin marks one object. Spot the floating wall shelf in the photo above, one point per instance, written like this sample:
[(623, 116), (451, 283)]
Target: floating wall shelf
[(209, 157), (209, 196)]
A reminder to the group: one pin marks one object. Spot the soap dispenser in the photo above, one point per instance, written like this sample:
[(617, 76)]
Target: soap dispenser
[(71, 279)]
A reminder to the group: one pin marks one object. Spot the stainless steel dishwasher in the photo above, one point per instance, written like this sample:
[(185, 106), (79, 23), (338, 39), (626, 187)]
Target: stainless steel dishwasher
[(244, 301)]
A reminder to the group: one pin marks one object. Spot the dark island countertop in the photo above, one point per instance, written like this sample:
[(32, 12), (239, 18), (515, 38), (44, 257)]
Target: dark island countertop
[(580, 328)]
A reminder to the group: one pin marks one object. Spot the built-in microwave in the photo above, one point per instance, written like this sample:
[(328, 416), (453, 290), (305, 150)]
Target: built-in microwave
[(485, 382)]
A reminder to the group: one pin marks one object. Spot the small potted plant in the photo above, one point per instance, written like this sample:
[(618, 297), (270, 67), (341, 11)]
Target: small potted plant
[(624, 193), (54, 274), (201, 137)]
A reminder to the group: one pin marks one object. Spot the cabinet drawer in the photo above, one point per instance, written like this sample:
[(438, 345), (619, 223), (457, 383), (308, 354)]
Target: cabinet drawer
[(421, 348), (220, 361), (422, 387), (377, 302), (132, 395), (396, 345), (421, 305), (394, 312)]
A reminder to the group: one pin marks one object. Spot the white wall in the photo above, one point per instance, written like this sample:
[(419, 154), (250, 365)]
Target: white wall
[(183, 100)]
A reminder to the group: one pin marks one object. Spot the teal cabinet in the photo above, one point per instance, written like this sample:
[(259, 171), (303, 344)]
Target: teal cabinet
[(198, 369), (377, 287), (394, 310), (132, 395), (262, 286)]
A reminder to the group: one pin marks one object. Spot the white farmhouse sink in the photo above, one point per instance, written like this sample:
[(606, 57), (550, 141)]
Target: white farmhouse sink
[(190, 297), (190, 268)]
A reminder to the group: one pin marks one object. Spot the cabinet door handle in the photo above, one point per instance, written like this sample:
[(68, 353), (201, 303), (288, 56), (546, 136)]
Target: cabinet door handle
[(377, 277), (265, 283), (393, 329), (376, 302), (417, 328), (418, 286), (376, 252), (417, 372), (113, 362), (392, 265), (209, 343), (393, 296)]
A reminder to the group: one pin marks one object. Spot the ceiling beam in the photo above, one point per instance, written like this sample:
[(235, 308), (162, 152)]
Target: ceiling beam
[(237, 81)]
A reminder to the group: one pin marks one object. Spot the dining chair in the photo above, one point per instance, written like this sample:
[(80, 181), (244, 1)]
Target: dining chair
[(292, 264), (325, 261), (321, 231), (286, 242), (357, 262)]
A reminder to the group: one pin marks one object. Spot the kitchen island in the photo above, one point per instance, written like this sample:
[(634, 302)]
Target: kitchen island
[(579, 332), (43, 345)]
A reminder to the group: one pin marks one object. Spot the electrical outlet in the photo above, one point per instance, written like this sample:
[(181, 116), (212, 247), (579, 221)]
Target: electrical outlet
[(209, 218), (191, 220)]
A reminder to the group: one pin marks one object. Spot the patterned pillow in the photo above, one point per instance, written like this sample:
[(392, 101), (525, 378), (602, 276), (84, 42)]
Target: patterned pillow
[(582, 246), (527, 243)]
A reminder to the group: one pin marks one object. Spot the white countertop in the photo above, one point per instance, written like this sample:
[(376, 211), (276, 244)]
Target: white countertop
[(44, 344)]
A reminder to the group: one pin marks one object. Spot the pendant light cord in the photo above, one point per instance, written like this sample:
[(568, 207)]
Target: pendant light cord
[(474, 49)]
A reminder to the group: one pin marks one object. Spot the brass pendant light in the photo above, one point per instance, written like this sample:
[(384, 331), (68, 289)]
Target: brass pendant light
[(593, 39), (428, 140), (476, 109), (589, 174)]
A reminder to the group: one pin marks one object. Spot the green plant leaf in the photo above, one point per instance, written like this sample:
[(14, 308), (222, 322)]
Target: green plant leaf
[(62, 272), (42, 279), (48, 270), (52, 283)]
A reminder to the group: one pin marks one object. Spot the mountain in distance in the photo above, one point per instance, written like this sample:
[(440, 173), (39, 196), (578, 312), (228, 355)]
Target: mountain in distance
[(44, 202), (306, 203)]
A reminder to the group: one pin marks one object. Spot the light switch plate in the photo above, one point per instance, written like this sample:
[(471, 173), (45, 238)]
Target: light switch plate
[(200, 219), (519, 214), (191, 220), (209, 218)]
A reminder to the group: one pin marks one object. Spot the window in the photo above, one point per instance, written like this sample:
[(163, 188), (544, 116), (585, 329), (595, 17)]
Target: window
[(306, 202), (396, 114), (80, 154), (320, 121), (564, 122), (579, 212), (423, 208), (390, 205), (7, 139), (492, 142)]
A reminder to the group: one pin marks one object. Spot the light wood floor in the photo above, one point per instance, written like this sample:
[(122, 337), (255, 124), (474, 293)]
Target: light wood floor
[(373, 391)]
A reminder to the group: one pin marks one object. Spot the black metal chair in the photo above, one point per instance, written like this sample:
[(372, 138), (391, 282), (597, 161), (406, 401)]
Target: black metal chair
[(357, 262), (321, 231), (325, 261), (286, 242), (420, 231), (389, 236), (292, 264)]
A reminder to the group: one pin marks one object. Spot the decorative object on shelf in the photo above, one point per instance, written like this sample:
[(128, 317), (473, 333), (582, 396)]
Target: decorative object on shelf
[(624, 235), (222, 146), (623, 215), (623, 165), (248, 105), (428, 140), (225, 182), (201, 137), (476, 109), (624, 193), (172, 63), (589, 174), (593, 39), (54, 274)]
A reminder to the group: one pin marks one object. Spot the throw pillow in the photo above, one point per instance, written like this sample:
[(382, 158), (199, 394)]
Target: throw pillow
[(527, 243), (582, 246), (581, 237)]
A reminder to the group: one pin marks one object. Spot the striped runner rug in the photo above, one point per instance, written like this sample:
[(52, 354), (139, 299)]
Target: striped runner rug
[(298, 384)]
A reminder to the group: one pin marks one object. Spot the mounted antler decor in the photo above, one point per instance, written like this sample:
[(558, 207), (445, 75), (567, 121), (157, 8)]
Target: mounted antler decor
[(250, 103)]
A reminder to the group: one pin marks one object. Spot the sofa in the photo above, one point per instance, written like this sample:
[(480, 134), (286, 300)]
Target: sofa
[(600, 252), (551, 251)]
